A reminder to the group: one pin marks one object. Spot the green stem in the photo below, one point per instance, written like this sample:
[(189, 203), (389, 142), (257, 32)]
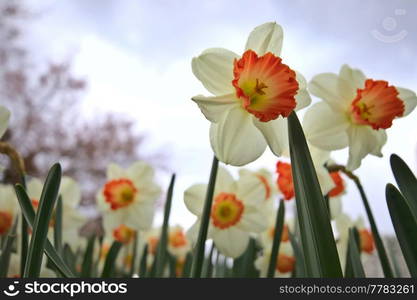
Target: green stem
[(205, 221), (383, 257)]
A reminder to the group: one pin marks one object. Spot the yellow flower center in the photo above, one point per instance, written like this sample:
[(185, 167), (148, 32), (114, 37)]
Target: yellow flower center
[(123, 234), (119, 193), (227, 210)]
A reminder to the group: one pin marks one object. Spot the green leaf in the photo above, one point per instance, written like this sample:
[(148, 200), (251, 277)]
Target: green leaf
[(317, 239), (205, 222), (58, 226), (70, 258), (162, 244), (29, 215), (279, 225), (41, 223), (300, 268), (405, 226), (86, 268), (354, 268), (406, 181), (110, 263), (6, 251)]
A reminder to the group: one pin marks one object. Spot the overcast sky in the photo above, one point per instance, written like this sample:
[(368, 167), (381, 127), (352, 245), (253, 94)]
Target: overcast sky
[(136, 57)]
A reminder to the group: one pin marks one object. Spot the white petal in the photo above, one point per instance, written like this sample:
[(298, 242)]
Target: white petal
[(349, 81), (214, 107), (192, 232), (266, 38), (363, 140), (326, 87), (319, 156), (275, 133), (214, 68), (381, 137), (114, 171), (194, 198), (231, 242), (409, 98), (303, 97), (235, 140), (4, 119), (325, 128), (253, 219)]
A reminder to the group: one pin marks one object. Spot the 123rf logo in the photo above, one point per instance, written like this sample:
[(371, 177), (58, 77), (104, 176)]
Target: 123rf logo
[(62, 288)]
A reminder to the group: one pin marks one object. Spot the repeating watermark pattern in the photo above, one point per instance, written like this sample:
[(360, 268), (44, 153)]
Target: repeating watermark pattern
[(389, 24), (64, 288)]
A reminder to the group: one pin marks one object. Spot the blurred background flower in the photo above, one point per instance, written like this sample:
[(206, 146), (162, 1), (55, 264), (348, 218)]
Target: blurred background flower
[(119, 74)]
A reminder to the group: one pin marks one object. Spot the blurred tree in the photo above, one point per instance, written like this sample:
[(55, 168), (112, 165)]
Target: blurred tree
[(47, 124)]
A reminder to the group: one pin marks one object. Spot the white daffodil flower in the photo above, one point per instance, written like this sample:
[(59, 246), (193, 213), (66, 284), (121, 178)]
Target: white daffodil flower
[(251, 97), (367, 245), (355, 113), (236, 212), (265, 178)]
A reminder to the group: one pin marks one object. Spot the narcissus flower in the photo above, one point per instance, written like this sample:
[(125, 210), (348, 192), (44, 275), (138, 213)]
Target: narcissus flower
[(4, 119), (8, 208), (252, 96), (236, 212), (355, 113), (128, 197)]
